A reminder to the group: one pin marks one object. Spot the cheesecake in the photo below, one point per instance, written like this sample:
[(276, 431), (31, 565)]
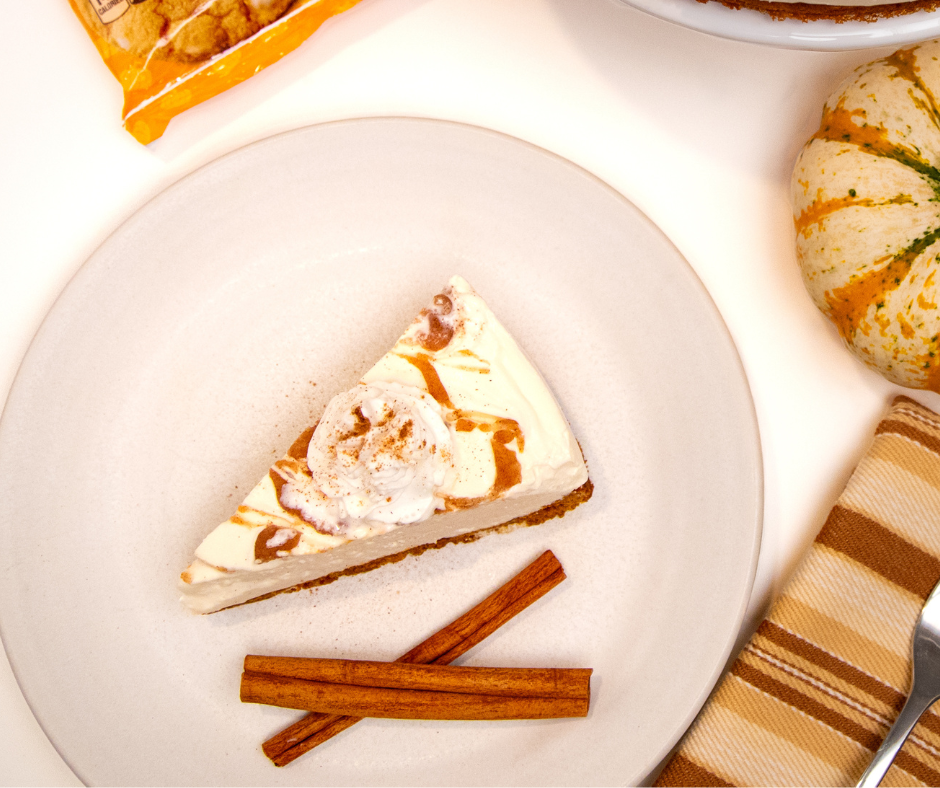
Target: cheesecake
[(451, 435), (844, 11)]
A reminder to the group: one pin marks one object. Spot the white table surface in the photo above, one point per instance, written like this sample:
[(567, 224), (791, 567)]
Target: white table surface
[(700, 132)]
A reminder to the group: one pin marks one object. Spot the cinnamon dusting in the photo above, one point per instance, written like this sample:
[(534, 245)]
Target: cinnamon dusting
[(361, 427)]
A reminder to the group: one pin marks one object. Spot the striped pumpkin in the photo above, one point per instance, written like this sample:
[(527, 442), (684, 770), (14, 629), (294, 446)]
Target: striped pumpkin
[(866, 200)]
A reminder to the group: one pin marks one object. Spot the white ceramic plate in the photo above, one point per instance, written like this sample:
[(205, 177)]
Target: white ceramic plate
[(758, 28), (212, 326)]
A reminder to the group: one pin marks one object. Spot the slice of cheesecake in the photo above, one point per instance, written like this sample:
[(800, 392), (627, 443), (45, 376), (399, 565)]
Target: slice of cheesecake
[(453, 433), (831, 10)]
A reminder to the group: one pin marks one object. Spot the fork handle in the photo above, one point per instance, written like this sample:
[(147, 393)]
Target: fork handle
[(914, 707)]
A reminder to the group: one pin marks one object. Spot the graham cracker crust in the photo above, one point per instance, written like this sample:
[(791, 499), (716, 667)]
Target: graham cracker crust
[(809, 12), (557, 509)]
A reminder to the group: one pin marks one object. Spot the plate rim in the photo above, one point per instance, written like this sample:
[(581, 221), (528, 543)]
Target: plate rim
[(750, 26), (655, 761)]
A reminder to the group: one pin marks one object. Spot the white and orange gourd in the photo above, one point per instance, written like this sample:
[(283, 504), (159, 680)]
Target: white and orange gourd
[(866, 201)]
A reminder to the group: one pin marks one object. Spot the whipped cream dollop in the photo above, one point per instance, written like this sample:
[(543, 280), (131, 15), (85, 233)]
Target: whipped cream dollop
[(379, 454)]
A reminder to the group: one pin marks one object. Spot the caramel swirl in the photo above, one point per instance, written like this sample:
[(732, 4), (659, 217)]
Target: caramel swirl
[(432, 380), (439, 332), (298, 449), (508, 468), (294, 468), (274, 541)]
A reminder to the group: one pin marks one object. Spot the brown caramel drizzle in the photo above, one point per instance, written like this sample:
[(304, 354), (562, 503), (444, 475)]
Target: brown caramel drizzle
[(298, 449), (295, 464), (284, 470), (431, 379), (276, 479), (265, 551), (237, 517), (508, 468), (443, 303), (440, 332), (504, 430)]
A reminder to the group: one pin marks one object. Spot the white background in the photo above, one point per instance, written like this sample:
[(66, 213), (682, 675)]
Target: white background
[(700, 132)]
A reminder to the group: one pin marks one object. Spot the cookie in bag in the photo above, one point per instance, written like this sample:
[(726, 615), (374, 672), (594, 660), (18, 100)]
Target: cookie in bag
[(184, 30), (170, 55)]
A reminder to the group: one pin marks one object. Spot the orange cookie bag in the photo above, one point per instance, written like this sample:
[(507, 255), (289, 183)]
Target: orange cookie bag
[(170, 55)]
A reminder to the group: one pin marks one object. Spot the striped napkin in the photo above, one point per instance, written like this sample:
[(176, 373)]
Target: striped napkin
[(812, 695)]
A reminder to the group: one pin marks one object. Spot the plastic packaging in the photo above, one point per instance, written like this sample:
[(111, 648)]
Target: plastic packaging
[(170, 55)]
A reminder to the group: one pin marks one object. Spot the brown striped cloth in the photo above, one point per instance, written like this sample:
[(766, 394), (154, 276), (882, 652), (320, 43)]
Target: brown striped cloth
[(812, 695)]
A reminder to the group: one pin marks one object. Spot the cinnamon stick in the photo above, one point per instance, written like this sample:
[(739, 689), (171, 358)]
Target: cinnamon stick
[(509, 682), (409, 704), (533, 582)]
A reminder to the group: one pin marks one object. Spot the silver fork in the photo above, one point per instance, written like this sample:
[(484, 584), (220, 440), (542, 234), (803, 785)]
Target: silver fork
[(925, 689)]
